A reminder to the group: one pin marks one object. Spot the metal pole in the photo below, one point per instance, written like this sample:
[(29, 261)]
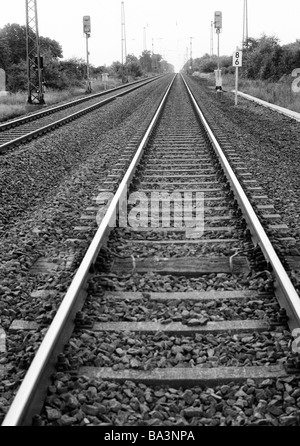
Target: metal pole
[(34, 69), (218, 32), (145, 39), (243, 44), (89, 88), (29, 100), (245, 25), (236, 84), (219, 88), (211, 39), (191, 53), (124, 49)]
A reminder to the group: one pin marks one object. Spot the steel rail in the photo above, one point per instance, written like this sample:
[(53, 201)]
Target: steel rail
[(34, 116), (65, 120), (35, 381), (53, 125), (284, 289)]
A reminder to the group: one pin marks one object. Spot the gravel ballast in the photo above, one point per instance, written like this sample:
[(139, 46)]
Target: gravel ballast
[(61, 197)]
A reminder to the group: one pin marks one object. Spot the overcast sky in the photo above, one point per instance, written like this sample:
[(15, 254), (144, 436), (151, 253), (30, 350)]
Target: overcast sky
[(169, 25)]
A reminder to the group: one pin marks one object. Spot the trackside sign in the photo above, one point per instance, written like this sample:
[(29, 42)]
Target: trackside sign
[(237, 60)]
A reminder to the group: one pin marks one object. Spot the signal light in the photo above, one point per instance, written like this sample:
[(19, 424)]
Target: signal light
[(218, 19), (86, 24)]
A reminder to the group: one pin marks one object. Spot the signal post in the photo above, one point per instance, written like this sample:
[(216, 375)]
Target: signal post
[(218, 72), (87, 32)]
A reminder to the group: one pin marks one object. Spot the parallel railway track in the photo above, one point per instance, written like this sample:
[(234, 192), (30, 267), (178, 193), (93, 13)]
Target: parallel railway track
[(22, 130), (164, 299)]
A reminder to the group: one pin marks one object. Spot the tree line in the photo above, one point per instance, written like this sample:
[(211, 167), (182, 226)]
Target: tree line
[(263, 58), (63, 74)]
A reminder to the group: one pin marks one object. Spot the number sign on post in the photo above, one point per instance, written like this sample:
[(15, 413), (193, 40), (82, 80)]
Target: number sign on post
[(237, 62), (237, 59)]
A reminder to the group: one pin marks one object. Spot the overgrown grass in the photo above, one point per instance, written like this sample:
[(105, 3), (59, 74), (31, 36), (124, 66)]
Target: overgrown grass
[(14, 105), (279, 93)]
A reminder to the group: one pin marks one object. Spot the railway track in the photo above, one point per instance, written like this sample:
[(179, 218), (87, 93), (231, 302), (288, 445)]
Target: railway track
[(185, 293), (24, 129)]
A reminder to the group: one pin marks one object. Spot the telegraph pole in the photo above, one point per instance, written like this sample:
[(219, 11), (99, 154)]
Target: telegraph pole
[(124, 50), (34, 60)]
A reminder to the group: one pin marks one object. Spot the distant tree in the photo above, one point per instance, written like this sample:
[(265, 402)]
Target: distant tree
[(15, 38), (13, 55), (166, 67), (116, 69), (263, 58), (146, 61), (208, 64), (252, 44), (133, 66), (290, 58), (5, 53), (68, 73), (17, 77), (50, 47), (97, 71)]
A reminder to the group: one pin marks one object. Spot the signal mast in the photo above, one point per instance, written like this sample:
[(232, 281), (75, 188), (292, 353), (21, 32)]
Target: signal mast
[(87, 32)]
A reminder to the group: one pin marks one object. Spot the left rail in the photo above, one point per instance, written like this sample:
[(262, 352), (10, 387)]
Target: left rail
[(29, 397)]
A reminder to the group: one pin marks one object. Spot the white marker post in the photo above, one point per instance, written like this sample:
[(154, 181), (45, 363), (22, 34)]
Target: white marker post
[(237, 62), (105, 79)]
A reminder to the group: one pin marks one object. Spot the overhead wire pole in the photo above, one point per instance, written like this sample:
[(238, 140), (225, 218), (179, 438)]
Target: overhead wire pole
[(191, 53), (159, 59), (89, 87), (186, 56), (245, 33), (245, 25), (212, 39), (160, 39), (34, 60), (145, 39), (124, 49), (154, 65)]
